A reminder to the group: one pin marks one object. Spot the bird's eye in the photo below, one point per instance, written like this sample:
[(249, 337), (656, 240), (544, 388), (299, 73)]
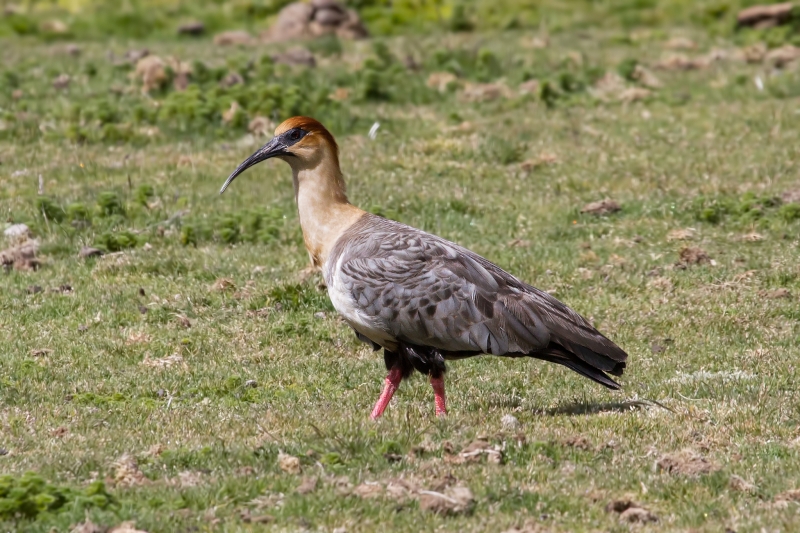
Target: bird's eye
[(295, 135)]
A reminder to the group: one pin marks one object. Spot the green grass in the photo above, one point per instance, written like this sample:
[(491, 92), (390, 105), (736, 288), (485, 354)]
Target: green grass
[(198, 349)]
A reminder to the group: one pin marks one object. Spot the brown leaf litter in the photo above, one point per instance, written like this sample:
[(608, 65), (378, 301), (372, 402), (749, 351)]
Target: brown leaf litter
[(368, 490), (686, 463), (127, 473), (21, 256), (788, 496), (692, 255), (601, 208), (630, 511)]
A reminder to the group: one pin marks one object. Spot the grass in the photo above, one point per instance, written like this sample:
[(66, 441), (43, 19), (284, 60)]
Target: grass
[(169, 381)]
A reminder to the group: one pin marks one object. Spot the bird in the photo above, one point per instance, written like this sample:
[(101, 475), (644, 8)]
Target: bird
[(423, 299)]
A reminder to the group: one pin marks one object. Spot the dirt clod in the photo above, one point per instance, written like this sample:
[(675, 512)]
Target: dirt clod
[(637, 514), (692, 255), (296, 56), (776, 294), (289, 463), (454, 500), (127, 473), (601, 208), (687, 463), (222, 285)]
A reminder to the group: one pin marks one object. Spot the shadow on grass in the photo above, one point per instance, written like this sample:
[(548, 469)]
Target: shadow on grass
[(590, 408)]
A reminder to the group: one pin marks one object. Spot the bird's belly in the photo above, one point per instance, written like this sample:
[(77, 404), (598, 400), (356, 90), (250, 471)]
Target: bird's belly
[(367, 326)]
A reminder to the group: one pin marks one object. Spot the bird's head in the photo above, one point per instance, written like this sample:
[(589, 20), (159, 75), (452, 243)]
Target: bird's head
[(302, 142)]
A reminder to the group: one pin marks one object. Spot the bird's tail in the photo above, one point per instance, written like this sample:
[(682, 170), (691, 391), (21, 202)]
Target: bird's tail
[(556, 353)]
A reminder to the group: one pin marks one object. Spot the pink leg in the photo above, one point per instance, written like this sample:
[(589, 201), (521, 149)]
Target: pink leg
[(389, 388), (438, 391)]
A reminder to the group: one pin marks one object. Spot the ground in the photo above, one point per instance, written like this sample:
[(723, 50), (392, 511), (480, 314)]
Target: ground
[(195, 377)]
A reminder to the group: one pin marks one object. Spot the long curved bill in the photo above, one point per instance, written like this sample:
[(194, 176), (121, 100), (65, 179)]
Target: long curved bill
[(272, 149)]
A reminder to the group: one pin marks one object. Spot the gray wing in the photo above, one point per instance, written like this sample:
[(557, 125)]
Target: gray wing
[(424, 290)]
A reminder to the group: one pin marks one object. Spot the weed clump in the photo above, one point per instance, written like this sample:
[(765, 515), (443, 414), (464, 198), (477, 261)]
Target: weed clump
[(29, 495)]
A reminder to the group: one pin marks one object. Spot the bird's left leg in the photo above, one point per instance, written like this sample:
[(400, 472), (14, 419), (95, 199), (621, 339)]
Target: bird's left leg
[(438, 390), (389, 388)]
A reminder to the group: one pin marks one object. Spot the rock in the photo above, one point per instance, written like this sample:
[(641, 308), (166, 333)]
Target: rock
[(601, 208), (88, 251), (780, 57), (300, 20), (509, 422), (17, 232), (192, 28), (329, 17), (296, 56), (765, 16), (233, 38), (291, 23)]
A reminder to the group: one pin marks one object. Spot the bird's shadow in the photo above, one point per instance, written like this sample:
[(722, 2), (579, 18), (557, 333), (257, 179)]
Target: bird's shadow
[(577, 408)]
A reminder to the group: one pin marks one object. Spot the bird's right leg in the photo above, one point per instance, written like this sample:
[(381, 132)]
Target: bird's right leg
[(389, 388)]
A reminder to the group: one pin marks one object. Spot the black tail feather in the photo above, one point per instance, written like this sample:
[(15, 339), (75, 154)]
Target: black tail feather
[(557, 354)]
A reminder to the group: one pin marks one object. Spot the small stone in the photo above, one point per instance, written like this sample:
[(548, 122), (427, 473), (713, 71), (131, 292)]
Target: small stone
[(250, 384), (307, 485), (509, 422), (18, 232), (3, 452), (235, 37), (82, 327), (320, 314)]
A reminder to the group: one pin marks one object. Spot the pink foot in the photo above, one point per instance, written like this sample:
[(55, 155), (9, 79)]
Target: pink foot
[(389, 388), (438, 391)]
